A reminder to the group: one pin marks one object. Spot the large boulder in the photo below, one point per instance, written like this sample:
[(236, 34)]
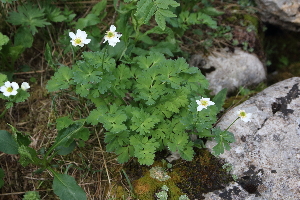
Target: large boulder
[(285, 13), (266, 154), (227, 69)]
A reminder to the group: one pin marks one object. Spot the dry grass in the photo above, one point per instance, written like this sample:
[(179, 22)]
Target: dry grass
[(95, 170)]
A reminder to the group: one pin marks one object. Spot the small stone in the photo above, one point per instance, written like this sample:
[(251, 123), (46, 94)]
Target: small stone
[(231, 70)]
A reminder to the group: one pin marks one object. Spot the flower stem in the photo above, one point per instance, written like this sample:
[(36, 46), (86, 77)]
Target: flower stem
[(231, 124), (3, 113)]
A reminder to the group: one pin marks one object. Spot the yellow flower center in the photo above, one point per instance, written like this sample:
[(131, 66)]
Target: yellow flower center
[(110, 34), (204, 103), (77, 40), (9, 89), (243, 114)]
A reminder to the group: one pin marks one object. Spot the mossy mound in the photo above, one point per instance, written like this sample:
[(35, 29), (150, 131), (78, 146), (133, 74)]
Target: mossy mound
[(193, 178)]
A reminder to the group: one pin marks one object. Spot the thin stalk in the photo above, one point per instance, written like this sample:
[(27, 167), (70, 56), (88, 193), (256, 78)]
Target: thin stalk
[(231, 124), (54, 173), (3, 113)]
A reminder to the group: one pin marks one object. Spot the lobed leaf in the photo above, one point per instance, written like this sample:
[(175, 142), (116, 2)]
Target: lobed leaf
[(112, 120), (3, 40), (223, 138), (61, 79), (143, 122), (144, 149), (28, 15)]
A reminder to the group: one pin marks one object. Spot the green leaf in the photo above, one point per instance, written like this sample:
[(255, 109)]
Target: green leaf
[(7, 143), (67, 135), (89, 20), (3, 40), (116, 140), (112, 121), (118, 50), (180, 143), (143, 122), (23, 37), (218, 149), (21, 96), (223, 138), (99, 60), (20, 138), (220, 98), (48, 55), (31, 195), (63, 122), (211, 11), (121, 83), (145, 10), (206, 19), (99, 7), (61, 150), (85, 74), (28, 156), (28, 15), (66, 188), (144, 149), (124, 153), (14, 52), (166, 13), (187, 153), (54, 14), (160, 20), (3, 78), (61, 79), (164, 4)]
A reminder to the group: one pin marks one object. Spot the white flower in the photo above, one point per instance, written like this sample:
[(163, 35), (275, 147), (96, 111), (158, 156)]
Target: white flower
[(112, 36), (204, 103), (25, 86), (9, 88), (79, 39), (244, 116)]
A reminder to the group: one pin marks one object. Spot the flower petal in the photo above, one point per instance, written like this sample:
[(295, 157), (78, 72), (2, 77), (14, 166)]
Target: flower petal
[(25, 86), (7, 84), (72, 35), (14, 85), (112, 28), (86, 41)]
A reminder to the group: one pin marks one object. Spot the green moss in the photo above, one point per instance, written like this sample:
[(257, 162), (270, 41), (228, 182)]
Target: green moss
[(119, 192), (251, 20), (202, 175), (146, 186), (193, 178), (231, 19)]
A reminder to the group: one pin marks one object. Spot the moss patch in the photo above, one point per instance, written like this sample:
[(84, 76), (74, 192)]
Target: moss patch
[(202, 175), (194, 178)]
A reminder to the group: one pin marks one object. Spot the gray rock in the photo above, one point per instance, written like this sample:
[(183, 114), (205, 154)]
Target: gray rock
[(225, 69), (285, 13), (266, 154), (234, 192)]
